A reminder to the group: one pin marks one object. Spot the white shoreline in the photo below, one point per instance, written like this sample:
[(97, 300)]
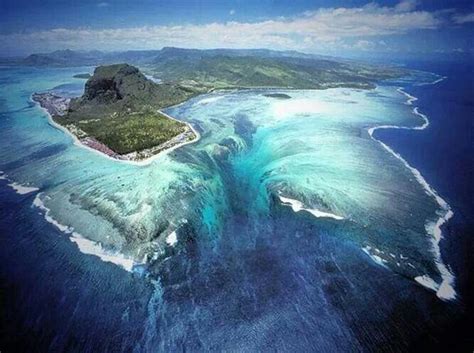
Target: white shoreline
[(444, 290), (144, 162), (86, 246)]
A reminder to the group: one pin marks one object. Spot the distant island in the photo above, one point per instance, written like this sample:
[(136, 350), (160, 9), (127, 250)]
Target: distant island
[(85, 76), (277, 95), (119, 115)]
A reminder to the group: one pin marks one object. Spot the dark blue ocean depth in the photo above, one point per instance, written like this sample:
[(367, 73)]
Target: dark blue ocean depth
[(295, 287)]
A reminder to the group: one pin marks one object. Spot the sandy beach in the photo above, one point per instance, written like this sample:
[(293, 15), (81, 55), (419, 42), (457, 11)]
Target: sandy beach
[(55, 105)]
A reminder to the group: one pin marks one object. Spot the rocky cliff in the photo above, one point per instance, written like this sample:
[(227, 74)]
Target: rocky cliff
[(122, 87)]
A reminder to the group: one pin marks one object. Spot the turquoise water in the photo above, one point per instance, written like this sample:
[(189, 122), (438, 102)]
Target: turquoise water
[(313, 148), (271, 188)]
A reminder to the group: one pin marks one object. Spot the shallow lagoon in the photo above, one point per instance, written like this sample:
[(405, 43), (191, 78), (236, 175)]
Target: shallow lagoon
[(241, 251)]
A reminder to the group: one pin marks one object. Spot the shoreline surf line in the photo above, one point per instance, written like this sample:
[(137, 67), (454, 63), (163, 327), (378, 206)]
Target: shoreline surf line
[(142, 163), (441, 78), (297, 206), (444, 290), (20, 189), (84, 245)]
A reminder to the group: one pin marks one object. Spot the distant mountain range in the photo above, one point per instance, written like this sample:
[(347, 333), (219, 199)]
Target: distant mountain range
[(230, 68), (68, 58)]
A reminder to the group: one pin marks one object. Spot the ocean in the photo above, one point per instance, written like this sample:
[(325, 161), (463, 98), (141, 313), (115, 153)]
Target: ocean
[(291, 225)]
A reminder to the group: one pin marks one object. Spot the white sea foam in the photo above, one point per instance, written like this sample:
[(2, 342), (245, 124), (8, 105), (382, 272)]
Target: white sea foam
[(410, 99), (22, 189), (172, 239), (40, 204), (90, 247), (377, 259), (209, 100), (445, 289), (439, 80), (434, 82), (19, 188), (298, 206), (427, 282), (86, 246)]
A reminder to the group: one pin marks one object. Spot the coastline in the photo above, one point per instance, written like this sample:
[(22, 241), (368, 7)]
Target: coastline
[(96, 146), (84, 245), (445, 289), (20, 189), (144, 162)]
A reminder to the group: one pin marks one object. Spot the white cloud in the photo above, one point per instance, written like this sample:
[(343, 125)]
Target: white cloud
[(311, 31), (232, 12), (369, 20), (406, 5), (460, 19), (103, 4)]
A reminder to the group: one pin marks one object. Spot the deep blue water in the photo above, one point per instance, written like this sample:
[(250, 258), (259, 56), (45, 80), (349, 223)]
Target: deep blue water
[(297, 286), (444, 153)]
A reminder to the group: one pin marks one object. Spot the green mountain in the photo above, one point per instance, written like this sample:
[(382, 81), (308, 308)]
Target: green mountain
[(119, 108), (122, 87), (232, 68), (261, 68)]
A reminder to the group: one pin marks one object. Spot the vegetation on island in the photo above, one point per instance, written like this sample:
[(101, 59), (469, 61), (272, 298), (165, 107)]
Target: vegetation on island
[(128, 132), (225, 71), (119, 108), (277, 95), (84, 76), (233, 68)]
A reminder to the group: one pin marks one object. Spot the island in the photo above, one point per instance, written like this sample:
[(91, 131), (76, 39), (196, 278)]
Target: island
[(83, 76), (120, 114), (277, 95)]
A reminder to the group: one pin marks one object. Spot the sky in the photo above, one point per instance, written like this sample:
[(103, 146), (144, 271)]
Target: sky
[(342, 28)]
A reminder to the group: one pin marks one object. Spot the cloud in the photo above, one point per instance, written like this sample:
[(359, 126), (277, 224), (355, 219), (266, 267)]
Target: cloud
[(369, 20), (406, 5), (364, 45), (232, 12), (461, 19), (103, 4), (322, 29)]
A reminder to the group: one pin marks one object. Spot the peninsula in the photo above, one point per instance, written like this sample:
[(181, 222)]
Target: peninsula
[(119, 113)]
